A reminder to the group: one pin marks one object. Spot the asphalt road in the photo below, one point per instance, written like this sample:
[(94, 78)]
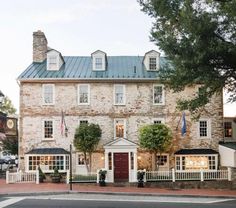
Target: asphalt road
[(115, 201)]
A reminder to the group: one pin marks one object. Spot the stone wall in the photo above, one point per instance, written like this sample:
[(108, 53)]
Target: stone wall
[(139, 110), (39, 46)]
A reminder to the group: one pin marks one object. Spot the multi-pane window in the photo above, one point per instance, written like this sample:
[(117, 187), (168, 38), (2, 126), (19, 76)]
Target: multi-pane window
[(48, 129), (152, 63), (212, 162), (228, 129), (48, 94), (131, 160), (158, 120), (119, 128), (98, 63), (52, 62), (204, 128), (119, 94), (48, 162), (110, 161), (158, 94), (177, 163), (162, 160), (84, 91), (83, 122), (81, 159)]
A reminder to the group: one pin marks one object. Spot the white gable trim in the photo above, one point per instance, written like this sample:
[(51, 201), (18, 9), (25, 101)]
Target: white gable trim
[(120, 144)]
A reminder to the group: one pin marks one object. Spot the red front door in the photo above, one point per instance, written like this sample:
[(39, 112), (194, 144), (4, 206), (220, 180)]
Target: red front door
[(121, 167)]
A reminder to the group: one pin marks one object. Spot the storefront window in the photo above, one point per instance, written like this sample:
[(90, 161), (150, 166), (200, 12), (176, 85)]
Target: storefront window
[(196, 162), (48, 162)]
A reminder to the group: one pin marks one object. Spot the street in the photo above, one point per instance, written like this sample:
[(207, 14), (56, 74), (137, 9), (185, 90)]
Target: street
[(115, 201)]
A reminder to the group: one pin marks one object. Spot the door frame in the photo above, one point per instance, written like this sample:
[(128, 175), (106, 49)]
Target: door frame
[(121, 146)]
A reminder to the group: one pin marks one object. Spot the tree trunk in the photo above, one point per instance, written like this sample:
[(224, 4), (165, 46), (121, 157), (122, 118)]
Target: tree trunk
[(154, 161), (90, 162), (85, 162)]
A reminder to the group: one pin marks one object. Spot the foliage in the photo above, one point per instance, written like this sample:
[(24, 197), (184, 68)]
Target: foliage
[(199, 39), (10, 144), (156, 138), (41, 173), (7, 106), (55, 173), (102, 175), (86, 139)]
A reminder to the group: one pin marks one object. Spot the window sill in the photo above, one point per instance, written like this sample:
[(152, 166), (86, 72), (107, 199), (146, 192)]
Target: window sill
[(48, 140)]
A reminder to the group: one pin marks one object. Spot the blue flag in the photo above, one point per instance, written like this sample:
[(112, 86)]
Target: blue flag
[(183, 127)]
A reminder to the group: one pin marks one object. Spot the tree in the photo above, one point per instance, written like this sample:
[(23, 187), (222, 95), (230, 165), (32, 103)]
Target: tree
[(86, 139), (199, 40), (156, 138), (7, 106), (10, 144)]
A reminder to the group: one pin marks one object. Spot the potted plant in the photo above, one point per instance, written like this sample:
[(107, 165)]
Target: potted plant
[(102, 177), (42, 175), (56, 176), (140, 176)]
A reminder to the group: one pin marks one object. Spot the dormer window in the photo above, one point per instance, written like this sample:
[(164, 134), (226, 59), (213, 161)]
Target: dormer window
[(98, 63), (152, 63), (52, 63), (99, 59), (54, 60), (151, 60)]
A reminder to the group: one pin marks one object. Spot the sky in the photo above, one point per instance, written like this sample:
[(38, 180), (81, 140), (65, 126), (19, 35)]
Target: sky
[(73, 27)]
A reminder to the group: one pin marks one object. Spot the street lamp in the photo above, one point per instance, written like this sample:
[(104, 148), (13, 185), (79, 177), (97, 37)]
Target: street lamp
[(1, 97)]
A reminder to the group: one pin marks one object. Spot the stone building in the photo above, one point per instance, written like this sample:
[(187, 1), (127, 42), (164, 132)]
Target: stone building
[(121, 94)]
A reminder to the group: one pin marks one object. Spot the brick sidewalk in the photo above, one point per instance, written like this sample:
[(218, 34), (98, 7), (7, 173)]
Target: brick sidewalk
[(26, 188)]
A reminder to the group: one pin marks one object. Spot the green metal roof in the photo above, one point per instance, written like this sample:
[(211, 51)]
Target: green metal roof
[(231, 145), (80, 67)]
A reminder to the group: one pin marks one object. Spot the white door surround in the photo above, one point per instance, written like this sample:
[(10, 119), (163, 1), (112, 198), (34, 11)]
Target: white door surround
[(121, 145)]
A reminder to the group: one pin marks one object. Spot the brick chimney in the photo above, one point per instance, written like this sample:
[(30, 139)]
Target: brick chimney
[(40, 46)]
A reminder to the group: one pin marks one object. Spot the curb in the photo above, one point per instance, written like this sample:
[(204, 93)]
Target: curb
[(116, 193)]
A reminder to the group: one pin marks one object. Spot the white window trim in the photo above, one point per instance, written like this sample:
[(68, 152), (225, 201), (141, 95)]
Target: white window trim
[(208, 129), (81, 119), (103, 62), (200, 155), (78, 93), (158, 119), (168, 160), (43, 133), (124, 94), (57, 62), (163, 93), (77, 159), (149, 63), (53, 94), (119, 119)]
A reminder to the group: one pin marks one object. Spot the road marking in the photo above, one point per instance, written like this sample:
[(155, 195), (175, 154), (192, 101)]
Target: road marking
[(10, 201), (200, 200)]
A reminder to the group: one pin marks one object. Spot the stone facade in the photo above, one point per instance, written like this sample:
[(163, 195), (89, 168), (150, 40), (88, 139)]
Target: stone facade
[(39, 46), (139, 110)]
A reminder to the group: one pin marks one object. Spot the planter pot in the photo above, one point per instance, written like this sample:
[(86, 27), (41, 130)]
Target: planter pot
[(56, 179), (102, 183), (41, 179), (140, 184)]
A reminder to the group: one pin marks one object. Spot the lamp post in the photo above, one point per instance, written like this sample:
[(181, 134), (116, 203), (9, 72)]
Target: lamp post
[(71, 167)]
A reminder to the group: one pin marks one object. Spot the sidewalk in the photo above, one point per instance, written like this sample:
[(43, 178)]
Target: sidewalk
[(53, 188)]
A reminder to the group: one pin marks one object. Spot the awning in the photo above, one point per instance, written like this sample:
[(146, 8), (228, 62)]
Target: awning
[(48, 151), (196, 152)]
